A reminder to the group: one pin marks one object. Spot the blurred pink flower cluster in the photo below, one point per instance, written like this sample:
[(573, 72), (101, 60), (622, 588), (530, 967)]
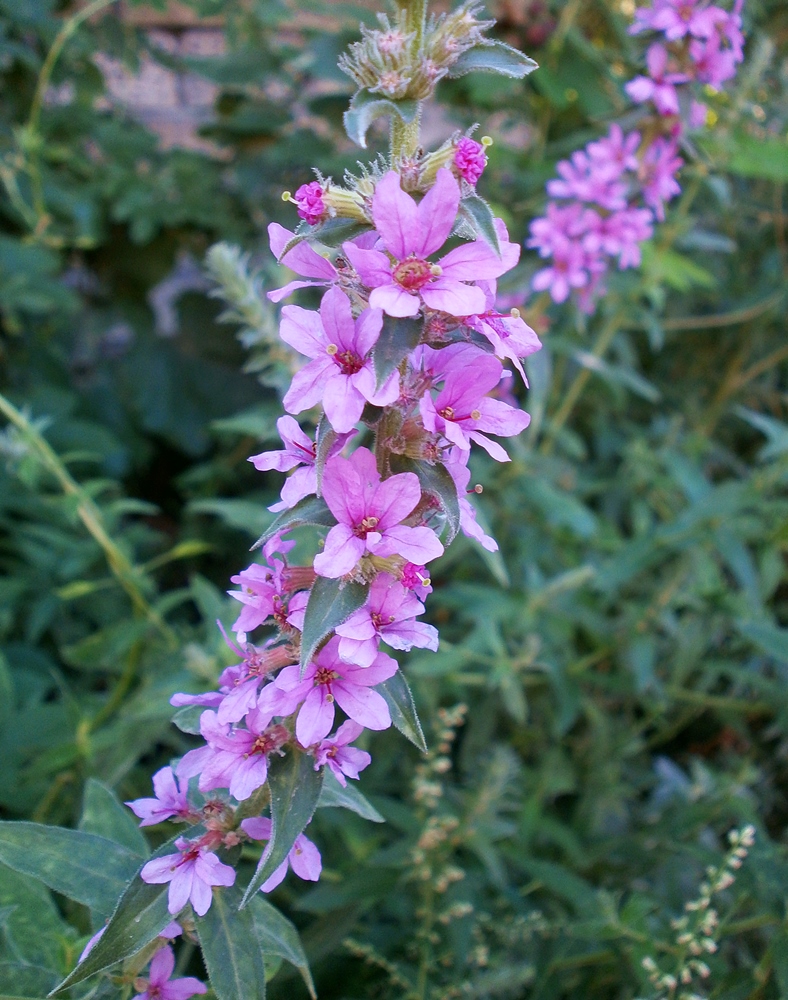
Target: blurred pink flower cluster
[(608, 196)]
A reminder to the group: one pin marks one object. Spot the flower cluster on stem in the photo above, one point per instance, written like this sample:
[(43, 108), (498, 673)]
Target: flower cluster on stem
[(404, 360), (608, 196)]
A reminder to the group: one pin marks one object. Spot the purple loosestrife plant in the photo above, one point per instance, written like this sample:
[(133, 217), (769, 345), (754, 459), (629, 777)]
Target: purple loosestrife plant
[(608, 197), (403, 377)]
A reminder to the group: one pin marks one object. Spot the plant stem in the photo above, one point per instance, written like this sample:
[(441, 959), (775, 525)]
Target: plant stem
[(122, 569), (604, 340), (405, 135), (32, 127)]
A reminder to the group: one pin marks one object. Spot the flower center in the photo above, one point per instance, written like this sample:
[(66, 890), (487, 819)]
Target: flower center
[(413, 274), (379, 621), (324, 675), (367, 525), (348, 362)]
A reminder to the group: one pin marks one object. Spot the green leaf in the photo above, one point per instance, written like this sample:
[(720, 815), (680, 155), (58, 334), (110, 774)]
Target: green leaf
[(277, 936), (324, 439), (335, 232), (767, 637), (187, 719), (330, 603), (310, 510), (295, 789), (760, 158), (89, 869), (333, 795), (230, 948), (32, 929), (139, 917), (398, 337), (478, 216), (403, 710), (24, 980), (365, 107), (436, 480), (105, 816), (494, 57)]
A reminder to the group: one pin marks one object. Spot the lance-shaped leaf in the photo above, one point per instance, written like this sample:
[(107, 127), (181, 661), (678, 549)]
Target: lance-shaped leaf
[(477, 215), (89, 869), (139, 917), (324, 439), (365, 107), (187, 719), (277, 936), (331, 233), (494, 57), (295, 788), (230, 948), (334, 795), (330, 604), (403, 710), (398, 337), (310, 510), (436, 480), (105, 816)]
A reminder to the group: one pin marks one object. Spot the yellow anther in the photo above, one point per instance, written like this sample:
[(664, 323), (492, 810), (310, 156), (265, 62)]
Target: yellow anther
[(286, 196), (514, 313), (332, 349), (487, 140), (436, 269), (478, 488), (475, 415)]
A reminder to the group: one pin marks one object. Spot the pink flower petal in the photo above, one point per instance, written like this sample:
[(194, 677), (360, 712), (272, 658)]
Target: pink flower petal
[(342, 402), (395, 216), (372, 266), (303, 330), (452, 297), (437, 213), (363, 705), (394, 301), (306, 389), (316, 717)]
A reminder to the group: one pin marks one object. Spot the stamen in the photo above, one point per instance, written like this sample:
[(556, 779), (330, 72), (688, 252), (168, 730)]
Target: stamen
[(332, 349)]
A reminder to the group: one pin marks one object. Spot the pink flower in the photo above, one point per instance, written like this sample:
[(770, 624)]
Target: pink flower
[(510, 336), (236, 759), (191, 874), (309, 202), (345, 761), (470, 159), (417, 579), (298, 450), (329, 681), (340, 376), (463, 413), (370, 515), (658, 175), (261, 586), (659, 86), (410, 233), (169, 801), (582, 177), (159, 986), (304, 857), (390, 615)]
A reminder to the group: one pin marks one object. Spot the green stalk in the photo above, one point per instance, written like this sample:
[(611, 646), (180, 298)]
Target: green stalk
[(122, 569), (405, 135), (32, 128), (604, 340)]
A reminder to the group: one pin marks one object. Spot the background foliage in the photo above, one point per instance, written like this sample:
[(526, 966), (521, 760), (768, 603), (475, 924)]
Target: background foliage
[(624, 657)]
